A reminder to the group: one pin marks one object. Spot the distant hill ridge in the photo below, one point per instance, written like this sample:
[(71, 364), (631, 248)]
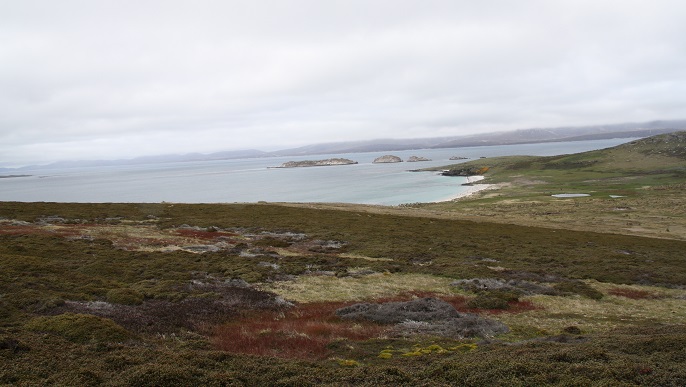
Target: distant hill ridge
[(522, 136)]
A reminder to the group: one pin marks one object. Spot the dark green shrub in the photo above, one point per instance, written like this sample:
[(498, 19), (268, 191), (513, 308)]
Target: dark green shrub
[(507, 295), (271, 242), (580, 288), (125, 296), (80, 328), (162, 375), (487, 302), (76, 377), (11, 344)]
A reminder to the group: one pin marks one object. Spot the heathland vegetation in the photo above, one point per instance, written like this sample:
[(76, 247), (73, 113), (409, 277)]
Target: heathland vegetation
[(510, 287)]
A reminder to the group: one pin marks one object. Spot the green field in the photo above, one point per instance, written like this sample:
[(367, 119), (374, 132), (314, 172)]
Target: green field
[(247, 294)]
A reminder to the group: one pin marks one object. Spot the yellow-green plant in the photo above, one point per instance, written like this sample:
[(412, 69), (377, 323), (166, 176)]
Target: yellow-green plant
[(349, 363), (464, 347), (385, 355)]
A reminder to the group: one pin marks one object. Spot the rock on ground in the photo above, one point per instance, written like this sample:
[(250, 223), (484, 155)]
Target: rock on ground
[(424, 316)]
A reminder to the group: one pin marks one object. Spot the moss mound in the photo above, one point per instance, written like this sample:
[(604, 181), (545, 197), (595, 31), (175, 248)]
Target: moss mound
[(580, 288), (487, 302), (80, 328), (125, 297)]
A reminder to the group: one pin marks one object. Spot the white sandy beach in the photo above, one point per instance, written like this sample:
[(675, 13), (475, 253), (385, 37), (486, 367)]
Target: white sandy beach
[(471, 190)]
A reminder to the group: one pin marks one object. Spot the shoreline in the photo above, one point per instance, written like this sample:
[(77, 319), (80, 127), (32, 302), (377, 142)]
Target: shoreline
[(471, 190)]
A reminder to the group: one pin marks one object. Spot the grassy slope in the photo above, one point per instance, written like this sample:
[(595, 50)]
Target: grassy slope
[(649, 174)]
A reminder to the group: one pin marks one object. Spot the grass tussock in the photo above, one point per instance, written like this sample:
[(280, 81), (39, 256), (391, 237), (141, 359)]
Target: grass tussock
[(80, 328)]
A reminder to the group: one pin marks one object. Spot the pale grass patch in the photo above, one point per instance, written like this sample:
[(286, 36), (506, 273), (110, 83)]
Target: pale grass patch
[(139, 237), (327, 288), (358, 256), (600, 315)]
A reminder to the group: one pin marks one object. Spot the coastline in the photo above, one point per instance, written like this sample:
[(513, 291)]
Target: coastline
[(471, 190)]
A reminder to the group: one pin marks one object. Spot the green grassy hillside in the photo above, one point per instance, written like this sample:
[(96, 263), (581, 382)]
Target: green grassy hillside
[(651, 159), (635, 188)]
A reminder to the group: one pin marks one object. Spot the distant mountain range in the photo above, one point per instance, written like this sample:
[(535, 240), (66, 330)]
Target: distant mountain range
[(522, 136)]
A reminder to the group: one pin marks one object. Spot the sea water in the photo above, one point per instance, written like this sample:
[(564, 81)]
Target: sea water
[(252, 180)]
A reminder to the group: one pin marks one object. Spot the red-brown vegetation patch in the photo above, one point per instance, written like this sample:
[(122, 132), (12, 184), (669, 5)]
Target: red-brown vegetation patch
[(634, 294), (20, 230), (301, 333)]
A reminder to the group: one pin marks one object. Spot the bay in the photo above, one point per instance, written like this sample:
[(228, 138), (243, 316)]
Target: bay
[(252, 180)]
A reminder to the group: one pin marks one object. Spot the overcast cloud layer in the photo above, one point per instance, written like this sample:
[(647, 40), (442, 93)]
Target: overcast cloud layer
[(100, 79)]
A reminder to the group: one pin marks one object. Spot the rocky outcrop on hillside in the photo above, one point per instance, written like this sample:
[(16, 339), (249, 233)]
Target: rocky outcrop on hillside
[(424, 316), (516, 286), (414, 159), (317, 163), (387, 159)]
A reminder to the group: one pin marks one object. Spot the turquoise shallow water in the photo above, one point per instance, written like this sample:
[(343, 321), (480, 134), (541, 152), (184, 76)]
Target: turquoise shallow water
[(251, 180)]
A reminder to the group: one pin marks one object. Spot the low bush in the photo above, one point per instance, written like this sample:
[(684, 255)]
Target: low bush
[(161, 375), (125, 297), (271, 242), (633, 294), (80, 328), (487, 302), (580, 288)]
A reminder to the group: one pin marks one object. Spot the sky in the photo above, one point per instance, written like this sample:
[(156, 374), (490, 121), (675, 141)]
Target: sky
[(100, 79)]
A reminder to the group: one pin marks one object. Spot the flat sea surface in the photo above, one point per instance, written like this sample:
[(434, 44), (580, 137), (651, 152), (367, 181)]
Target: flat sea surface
[(251, 180)]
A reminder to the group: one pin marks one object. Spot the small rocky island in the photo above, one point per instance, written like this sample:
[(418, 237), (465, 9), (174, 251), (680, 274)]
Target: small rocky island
[(458, 158), (317, 163), (387, 159), (414, 159)]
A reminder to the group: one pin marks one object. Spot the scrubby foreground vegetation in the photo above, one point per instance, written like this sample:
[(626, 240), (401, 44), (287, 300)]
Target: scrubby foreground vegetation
[(172, 294)]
